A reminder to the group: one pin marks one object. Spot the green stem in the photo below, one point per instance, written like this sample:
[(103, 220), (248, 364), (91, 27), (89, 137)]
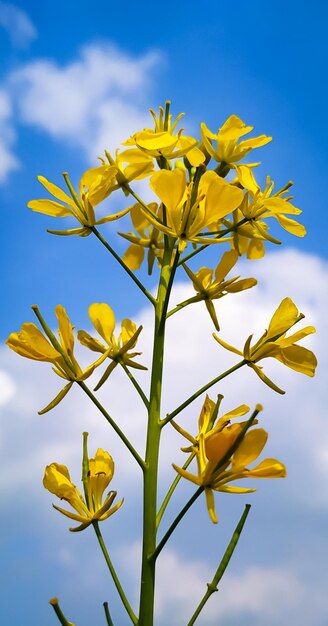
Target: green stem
[(171, 490), (182, 406), (147, 588), (111, 568), (107, 615), (125, 267), (59, 612), (176, 522), (136, 385), (109, 419), (212, 586)]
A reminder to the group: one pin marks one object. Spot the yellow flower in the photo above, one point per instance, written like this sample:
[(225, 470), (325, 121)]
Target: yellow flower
[(92, 508), (186, 216), (165, 142), (228, 147), (31, 343), (95, 185), (212, 288), (224, 452), (265, 204), (149, 238), (246, 238), (274, 343), (103, 319), (131, 164)]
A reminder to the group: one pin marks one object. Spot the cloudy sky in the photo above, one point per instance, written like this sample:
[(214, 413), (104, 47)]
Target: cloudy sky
[(75, 80)]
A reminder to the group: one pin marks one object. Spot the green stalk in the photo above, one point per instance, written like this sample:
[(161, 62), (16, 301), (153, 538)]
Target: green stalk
[(113, 424), (212, 586), (136, 385), (59, 612), (111, 568), (186, 403), (176, 522), (147, 588), (107, 615), (125, 267)]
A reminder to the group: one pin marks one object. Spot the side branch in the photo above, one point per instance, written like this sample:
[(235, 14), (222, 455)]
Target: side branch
[(212, 586), (109, 419), (176, 522), (111, 568), (198, 393), (136, 385), (125, 267)]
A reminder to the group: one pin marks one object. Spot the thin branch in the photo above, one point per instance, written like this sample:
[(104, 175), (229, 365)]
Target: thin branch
[(176, 522), (125, 267), (212, 586), (111, 568), (186, 403), (109, 419), (135, 384)]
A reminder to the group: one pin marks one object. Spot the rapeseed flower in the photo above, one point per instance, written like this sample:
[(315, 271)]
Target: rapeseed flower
[(116, 349), (229, 149), (224, 453), (274, 343), (95, 185), (187, 216), (212, 285), (31, 343), (91, 508)]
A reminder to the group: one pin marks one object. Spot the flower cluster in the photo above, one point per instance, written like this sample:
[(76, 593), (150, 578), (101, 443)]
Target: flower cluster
[(197, 204)]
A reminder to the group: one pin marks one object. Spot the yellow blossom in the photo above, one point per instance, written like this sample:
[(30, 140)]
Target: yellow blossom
[(103, 319), (224, 453), (95, 185), (274, 343), (92, 508), (266, 204), (186, 216), (211, 287), (164, 141), (31, 343), (149, 238), (228, 148)]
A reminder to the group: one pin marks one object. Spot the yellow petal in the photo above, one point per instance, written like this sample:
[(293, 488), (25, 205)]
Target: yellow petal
[(103, 319), (65, 329), (269, 468), (249, 449), (283, 318), (221, 199), (170, 187), (229, 259), (57, 192), (211, 505), (133, 257), (31, 343), (291, 226), (49, 207)]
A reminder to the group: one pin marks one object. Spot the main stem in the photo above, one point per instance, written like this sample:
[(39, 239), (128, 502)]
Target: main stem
[(147, 589)]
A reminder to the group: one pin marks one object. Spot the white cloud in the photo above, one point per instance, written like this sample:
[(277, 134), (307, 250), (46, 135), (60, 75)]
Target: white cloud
[(8, 161), (18, 24), (93, 102)]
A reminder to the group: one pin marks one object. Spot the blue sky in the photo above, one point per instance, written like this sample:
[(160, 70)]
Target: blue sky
[(74, 80)]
